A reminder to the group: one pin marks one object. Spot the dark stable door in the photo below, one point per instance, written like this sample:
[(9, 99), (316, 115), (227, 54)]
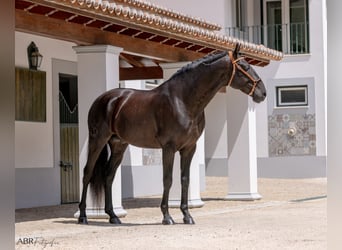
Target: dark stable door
[(69, 152)]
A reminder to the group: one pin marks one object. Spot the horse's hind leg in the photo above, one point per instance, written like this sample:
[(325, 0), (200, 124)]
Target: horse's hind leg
[(186, 157), (168, 158), (94, 149), (117, 151)]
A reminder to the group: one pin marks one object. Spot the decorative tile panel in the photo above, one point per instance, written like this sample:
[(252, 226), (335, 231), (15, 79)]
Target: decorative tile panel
[(292, 134)]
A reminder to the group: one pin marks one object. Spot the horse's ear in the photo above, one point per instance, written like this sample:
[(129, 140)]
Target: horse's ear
[(236, 50)]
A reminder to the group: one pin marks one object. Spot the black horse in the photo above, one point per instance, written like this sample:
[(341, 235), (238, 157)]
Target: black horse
[(170, 117)]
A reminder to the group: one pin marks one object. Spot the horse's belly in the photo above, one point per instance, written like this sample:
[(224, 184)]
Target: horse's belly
[(142, 144), (142, 141), (138, 134)]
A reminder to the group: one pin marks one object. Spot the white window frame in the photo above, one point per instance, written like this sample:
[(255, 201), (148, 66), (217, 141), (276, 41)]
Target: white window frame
[(279, 90), (285, 16)]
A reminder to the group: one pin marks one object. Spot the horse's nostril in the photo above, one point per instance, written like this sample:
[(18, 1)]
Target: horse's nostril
[(264, 94)]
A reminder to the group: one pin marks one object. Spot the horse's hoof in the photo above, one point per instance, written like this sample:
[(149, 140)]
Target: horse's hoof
[(168, 221), (83, 220), (188, 220), (114, 220)]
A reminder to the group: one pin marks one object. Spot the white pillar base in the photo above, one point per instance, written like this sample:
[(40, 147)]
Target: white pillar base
[(243, 196), (99, 213)]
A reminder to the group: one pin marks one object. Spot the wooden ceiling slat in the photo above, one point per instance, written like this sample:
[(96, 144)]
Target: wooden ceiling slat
[(80, 19), (21, 5), (206, 50), (195, 47), (114, 28), (158, 39), (43, 10), (130, 32), (98, 24), (51, 12), (144, 35), (171, 42), (183, 45)]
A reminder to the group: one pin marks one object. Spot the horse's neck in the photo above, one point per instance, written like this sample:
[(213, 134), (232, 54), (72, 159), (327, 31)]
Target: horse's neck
[(194, 95), (199, 98)]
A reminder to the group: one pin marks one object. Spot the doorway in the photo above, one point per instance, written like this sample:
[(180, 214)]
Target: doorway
[(68, 127)]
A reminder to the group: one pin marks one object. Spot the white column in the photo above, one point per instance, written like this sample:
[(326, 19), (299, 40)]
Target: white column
[(242, 152), (98, 71), (334, 122), (216, 142), (198, 160)]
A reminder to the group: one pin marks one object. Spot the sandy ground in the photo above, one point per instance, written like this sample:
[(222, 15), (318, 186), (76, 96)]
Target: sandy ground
[(291, 215)]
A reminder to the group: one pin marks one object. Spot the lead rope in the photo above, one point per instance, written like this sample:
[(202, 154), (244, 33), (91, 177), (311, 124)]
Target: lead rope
[(234, 67)]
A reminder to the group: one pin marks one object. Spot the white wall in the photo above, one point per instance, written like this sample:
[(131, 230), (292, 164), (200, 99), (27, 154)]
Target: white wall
[(299, 66), (33, 140), (334, 90), (216, 11)]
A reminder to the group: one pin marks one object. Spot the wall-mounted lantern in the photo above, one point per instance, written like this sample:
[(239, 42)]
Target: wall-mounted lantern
[(34, 57)]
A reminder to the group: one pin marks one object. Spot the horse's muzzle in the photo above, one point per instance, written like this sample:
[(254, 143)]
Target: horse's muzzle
[(259, 96)]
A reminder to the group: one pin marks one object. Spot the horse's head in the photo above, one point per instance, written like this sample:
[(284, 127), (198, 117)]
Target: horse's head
[(244, 77)]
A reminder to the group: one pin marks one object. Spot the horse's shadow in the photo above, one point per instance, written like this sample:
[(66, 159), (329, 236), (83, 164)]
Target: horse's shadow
[(105, 223), (213, 199), (132, 203), (68, 210)]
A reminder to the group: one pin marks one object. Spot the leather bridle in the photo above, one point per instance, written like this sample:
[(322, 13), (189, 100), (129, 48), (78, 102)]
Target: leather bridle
[(235, 65)]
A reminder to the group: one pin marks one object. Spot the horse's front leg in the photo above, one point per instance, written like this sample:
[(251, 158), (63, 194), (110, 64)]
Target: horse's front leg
[(186, 157), (117, 151), (168, 158)]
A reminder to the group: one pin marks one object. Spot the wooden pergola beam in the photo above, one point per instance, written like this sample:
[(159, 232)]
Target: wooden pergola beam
[(131, 60), (83, 35), (142, 73)]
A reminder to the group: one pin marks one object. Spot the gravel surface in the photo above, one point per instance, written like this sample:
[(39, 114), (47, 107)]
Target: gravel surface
[(291, 215)]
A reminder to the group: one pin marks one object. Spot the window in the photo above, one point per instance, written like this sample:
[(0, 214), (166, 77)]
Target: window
[(292, 96), (283, 26), (286, 25), (241, 12)]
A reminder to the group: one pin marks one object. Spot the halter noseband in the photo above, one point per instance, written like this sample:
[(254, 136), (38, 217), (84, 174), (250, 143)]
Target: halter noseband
[(235, 65)]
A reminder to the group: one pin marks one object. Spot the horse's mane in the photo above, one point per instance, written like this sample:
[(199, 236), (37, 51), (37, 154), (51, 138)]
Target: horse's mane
[(193, 65)]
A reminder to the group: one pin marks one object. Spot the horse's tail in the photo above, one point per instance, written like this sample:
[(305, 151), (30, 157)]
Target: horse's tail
[(97, 181)]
